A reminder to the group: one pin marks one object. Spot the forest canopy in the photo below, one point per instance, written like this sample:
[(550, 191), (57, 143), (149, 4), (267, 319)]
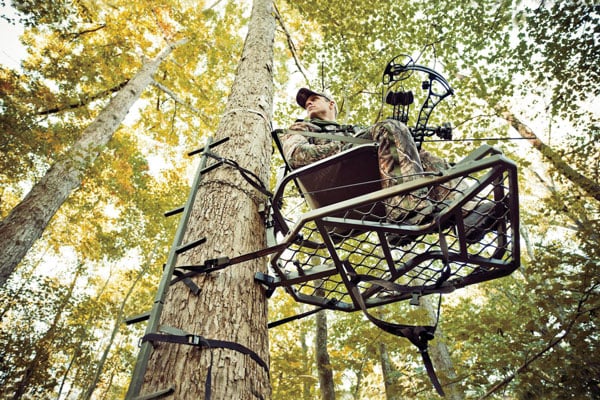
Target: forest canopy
[(525, 79)]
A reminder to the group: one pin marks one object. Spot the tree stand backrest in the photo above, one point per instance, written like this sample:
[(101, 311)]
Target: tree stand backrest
[(343, 176), (349, 174)]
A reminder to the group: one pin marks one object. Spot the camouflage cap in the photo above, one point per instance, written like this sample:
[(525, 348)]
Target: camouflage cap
[(305, 93)]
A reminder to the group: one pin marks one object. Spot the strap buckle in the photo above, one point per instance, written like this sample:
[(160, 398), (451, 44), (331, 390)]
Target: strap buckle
[(194, 340)]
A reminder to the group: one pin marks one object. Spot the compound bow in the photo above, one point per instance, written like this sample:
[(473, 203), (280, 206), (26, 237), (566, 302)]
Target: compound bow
[(401, 100)]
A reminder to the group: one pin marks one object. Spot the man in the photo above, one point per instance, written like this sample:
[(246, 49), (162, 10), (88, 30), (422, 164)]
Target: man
[(399, 159)]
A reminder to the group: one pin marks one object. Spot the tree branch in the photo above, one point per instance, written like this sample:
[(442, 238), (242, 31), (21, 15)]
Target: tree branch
[(86, 100), (212, 6), (291, 45), (550, 345), (74, 35), (177, 100), (587, 185)]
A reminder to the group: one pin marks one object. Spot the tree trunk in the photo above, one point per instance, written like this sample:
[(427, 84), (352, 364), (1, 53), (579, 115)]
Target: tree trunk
[(390, 378), (306, 384), (323, 363), (82, 337), (359, 377), (43, 346), (440, 356), (231, 306), (118, 321), (27, 221)]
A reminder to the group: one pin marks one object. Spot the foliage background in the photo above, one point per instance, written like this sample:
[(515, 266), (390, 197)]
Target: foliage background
[(62, 331)]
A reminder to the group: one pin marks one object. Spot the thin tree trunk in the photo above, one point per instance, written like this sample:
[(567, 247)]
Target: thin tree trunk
[(306, 384), (440, 356), (323, 362), (231, 306), (27, 221), (43, 346), (324, 367), (108, 384), (390, 378), (82, 335), (76, 352), (359, 378), (118, 321)]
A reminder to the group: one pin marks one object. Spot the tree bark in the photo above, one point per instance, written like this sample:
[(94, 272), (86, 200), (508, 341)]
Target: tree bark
[(27, 221), (323, 362), (231, 305), (390, 378)]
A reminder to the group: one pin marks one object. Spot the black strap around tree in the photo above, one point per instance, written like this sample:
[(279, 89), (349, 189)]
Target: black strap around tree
[(199, 341), (248, 175), (215, 264), (417, 335)]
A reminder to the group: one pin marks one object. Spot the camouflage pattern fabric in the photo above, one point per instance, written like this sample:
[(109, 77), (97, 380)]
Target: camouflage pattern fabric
[(399, 159), (300, 150), (399, 162)]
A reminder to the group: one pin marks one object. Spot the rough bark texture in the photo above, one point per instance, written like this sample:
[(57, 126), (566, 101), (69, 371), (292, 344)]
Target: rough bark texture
[(323, 362), (231, 306), (27, 221)]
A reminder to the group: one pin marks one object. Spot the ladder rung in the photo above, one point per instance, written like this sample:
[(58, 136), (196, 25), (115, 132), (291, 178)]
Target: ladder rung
[(156, 395), (175, 211), (211, 167), (137, 318), (190, 245), (213, 144)]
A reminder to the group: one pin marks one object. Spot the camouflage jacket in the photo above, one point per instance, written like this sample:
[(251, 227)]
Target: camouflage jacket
[(300, 150)]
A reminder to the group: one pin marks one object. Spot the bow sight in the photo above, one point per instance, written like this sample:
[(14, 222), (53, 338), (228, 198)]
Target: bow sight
[(437, 89)]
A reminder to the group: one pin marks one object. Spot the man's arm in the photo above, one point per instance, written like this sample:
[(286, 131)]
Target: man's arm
[(299, 152)]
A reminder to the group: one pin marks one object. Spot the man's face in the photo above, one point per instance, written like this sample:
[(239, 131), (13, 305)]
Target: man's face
[(319, 107)]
